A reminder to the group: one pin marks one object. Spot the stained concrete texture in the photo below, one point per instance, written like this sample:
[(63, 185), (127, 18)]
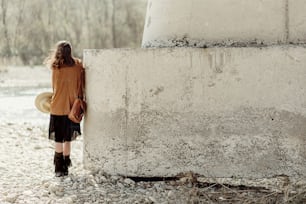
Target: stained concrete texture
[(218, 112), (297, 21), (209, 23)]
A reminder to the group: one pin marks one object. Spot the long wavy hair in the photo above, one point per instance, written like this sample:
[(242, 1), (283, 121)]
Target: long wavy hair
[(60, 56)]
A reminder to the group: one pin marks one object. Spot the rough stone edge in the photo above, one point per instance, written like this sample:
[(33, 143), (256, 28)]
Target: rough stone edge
[(196, 43)]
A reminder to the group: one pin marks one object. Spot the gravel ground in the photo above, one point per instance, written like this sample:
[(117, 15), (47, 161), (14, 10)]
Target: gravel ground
[(26, 176)]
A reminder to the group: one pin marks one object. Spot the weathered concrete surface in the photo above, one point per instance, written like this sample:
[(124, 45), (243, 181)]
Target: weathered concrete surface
[(207, 23), (297, 21), (218, 112)]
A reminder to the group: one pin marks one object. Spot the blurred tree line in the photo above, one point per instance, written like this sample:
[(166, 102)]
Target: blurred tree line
[(30, 28)]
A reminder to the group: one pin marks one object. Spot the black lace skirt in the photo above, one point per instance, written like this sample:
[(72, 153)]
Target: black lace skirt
[(61, 129)]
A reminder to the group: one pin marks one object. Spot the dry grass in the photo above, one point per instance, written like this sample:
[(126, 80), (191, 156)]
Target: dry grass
[(278, 190), (220, 193)]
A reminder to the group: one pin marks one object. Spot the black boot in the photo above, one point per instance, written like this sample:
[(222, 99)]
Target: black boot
[(67, 164), (59, 163)]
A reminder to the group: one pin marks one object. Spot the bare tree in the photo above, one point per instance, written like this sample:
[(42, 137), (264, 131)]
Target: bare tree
[(18, 33), (7, 47), (29, 36)]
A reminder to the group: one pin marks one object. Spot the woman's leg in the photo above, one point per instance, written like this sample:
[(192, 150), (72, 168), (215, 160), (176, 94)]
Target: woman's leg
[(59, 147), (58, 159), (67, 161), (66, 148)]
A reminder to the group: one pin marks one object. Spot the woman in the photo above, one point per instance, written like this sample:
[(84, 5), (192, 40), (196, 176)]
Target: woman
[(68, 84)]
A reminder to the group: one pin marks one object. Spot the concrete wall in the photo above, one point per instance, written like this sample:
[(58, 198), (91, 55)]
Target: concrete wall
[(219, 112), (207, 23), (297, 21)]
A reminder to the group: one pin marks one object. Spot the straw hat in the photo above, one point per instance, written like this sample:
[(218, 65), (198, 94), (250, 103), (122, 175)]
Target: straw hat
[(42, 102)]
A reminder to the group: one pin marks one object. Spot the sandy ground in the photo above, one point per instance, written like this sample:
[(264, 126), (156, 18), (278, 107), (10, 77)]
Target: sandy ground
[(26, 169), (26, 164), (26, 176)]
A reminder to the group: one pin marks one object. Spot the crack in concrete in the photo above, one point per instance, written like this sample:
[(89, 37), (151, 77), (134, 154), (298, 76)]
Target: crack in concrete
[(126, 116)]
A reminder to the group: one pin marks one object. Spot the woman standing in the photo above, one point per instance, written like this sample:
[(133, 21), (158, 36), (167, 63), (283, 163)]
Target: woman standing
[(67, 84)]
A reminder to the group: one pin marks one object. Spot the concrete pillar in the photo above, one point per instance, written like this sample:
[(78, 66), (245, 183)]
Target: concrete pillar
[(237, 109), (208, 23), (297, 21), (217, 112)]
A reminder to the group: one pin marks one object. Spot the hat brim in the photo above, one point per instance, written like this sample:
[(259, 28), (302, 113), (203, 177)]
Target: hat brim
[(43, 101)]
